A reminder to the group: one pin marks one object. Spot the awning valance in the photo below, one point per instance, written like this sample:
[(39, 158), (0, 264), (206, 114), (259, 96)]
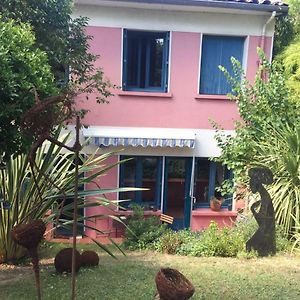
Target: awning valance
[(145, 137)]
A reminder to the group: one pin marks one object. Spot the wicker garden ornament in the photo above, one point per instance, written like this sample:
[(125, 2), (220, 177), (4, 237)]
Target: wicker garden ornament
[(29, 236), (63, 261), (263, 240), (89, 258), (172, 285)]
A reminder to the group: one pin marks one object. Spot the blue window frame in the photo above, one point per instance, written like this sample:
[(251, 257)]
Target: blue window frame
[(142, 172), (209, 175), (217, 51), (145, 61)]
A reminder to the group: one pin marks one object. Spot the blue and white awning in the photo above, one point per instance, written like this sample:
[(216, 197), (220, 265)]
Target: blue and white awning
[(144, 137)]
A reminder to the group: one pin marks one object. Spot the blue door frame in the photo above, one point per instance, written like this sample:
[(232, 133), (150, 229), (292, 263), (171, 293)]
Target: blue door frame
[(185, 222)]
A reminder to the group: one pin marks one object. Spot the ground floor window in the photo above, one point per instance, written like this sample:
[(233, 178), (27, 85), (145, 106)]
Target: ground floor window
[(145, 172), (173, 181), (208, 176)]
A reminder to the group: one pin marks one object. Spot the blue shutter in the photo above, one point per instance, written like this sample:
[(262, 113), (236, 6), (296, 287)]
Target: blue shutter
[(211, 58), (232, 47), (216, 51)]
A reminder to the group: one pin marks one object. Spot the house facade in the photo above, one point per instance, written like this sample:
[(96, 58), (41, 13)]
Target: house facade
[(164, 56)]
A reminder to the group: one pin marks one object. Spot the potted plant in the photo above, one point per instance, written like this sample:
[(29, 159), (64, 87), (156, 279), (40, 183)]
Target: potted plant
[(216, 203)]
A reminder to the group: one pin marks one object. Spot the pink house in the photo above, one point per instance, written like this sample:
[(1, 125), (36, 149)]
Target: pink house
[(164, 55)]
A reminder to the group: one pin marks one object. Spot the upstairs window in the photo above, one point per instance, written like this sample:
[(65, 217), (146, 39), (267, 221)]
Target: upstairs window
[(217, 51), (145, 61)]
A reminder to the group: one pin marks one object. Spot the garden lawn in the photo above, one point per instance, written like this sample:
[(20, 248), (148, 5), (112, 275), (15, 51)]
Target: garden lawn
[(132, 277)]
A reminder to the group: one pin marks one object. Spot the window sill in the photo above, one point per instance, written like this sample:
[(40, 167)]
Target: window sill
[(146, 213), (144, 94), (211, 97), (201, 212)]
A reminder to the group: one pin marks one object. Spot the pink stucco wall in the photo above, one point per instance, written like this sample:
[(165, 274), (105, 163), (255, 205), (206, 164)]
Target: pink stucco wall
[(181, 107), (201, 218), (253, 60), (109, 180)]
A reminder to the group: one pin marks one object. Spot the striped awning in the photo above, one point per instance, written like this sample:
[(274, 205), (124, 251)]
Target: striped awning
[(144, 137)]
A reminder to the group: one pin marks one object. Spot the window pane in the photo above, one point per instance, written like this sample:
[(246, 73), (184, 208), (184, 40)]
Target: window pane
[(149, 178), (145, 64), (220, 172), (133, 62), (128, 180), (201, 181), (156, 62)]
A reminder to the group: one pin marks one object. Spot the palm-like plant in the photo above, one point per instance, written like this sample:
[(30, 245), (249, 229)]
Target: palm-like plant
[(23, 200), (296, 237), (280, 152)]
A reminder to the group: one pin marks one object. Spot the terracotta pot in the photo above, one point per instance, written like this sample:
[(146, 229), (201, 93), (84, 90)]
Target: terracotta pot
[(215, 204)]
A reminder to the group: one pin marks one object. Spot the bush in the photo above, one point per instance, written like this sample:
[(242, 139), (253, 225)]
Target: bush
[(215, 241), (211, 242), (172, 242), (248, 226), (282, 241), (142, 232)]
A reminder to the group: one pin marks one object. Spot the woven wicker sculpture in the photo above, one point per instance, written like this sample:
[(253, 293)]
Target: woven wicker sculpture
[(172, 285), (29, 236), (63, 261)]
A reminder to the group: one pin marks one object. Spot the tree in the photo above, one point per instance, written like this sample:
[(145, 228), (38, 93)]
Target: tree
[(23, 67), (280, 153), (287, 27), (287, 46), (65, 46), (268, 135), (266, 102)]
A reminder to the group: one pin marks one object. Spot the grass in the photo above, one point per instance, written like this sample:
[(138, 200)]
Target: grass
[(132, 277)]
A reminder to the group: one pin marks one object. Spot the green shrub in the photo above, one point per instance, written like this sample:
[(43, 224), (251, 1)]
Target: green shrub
[(247, 255), (142, 232), (246, 226), (172, 241), (211, 242), (148, 233), (282, 241), (215, 241)]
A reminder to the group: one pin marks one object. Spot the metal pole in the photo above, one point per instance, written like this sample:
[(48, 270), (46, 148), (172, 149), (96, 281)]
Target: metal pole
[(77, 148)]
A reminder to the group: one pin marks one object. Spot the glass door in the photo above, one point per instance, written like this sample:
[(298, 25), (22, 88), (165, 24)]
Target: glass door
[(177, 201)]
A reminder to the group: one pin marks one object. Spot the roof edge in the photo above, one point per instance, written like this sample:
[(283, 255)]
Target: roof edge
[(246, 6)]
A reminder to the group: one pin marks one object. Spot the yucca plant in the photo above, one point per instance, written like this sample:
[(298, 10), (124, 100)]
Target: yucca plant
[(280, 152), (296, 237), (22, 201)]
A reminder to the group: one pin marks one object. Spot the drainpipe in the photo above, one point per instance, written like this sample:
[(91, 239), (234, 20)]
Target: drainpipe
[(263, 38)]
